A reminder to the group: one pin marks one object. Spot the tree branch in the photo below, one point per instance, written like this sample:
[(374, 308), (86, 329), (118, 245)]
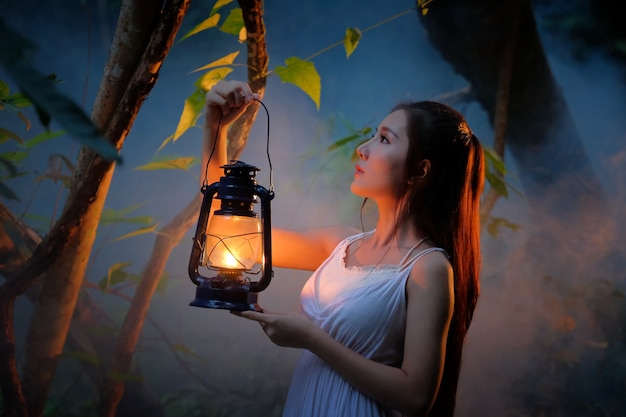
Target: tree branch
[(173, 232), (258, 62)]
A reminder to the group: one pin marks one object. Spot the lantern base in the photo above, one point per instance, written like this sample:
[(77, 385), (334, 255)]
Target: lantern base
[(238, 300)]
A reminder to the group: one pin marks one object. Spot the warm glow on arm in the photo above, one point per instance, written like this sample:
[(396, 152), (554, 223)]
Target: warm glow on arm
[(306, 249)]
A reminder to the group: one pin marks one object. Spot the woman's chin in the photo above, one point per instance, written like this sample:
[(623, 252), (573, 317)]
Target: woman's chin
[(356, 190)]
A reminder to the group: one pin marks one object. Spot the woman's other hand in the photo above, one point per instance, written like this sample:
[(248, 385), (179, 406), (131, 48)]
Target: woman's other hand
[(285, 330), (228, 99)]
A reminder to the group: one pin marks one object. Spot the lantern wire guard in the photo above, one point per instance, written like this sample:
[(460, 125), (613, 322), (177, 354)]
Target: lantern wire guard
[(218, 250)]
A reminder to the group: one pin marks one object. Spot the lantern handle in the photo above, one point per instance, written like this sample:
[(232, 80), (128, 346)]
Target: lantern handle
[(267, 148), (198, 240), (268, 273)]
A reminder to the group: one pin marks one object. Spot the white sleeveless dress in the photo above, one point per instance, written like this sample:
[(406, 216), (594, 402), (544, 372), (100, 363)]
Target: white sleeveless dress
[(369, 317)]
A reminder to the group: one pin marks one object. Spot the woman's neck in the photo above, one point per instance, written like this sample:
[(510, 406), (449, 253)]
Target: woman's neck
[(394, 229)]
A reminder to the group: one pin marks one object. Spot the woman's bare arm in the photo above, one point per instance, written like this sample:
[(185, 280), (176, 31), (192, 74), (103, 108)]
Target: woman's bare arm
[(304, 249)]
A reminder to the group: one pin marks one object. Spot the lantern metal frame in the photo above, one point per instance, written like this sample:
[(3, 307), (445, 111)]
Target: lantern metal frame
[(229, 289)]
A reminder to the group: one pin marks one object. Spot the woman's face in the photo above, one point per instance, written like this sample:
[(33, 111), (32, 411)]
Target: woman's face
[(379, 172)]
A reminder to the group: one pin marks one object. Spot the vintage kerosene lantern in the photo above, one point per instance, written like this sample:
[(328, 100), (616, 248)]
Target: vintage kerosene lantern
[(234, 243)]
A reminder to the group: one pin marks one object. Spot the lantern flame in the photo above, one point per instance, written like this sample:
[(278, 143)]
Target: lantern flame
[(237, 251)]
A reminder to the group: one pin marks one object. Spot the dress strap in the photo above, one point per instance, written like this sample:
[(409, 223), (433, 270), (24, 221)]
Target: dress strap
[(419, 242), (426, 251)]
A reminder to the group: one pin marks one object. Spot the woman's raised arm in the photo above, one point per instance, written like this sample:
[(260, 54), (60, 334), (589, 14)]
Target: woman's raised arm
[(225, 102)]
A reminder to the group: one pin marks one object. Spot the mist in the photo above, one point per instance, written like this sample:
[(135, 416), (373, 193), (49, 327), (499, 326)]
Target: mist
[(534, 336)]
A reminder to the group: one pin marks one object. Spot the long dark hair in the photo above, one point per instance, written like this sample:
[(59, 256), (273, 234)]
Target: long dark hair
[(445, 206)]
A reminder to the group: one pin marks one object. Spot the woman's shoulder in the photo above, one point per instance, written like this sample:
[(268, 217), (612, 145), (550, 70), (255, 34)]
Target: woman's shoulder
[(430, 288), (432, 268)]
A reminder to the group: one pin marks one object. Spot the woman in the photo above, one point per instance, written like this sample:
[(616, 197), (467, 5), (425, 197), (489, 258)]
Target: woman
[(386, 311)]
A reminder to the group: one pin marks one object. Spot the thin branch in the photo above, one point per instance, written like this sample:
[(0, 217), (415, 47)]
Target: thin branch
[(502, 106), (143, 79)]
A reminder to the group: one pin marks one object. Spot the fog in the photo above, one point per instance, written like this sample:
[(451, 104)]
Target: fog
[(521, 348)]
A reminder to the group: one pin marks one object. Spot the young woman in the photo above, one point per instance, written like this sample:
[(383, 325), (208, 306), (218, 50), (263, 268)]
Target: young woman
[(386, 311)]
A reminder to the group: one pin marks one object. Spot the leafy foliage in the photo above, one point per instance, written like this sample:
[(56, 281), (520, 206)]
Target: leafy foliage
[(110, 216), (423, 5), (209, 23), (495, 224), (48, 102), (351, 40), (495, 172), (184, 163), (302, 74), (117, 274), (234, 24)]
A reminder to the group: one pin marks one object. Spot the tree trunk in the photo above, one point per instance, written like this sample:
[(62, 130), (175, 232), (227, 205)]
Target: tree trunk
[(257, 64), (16, 246), (89, 188), (57, 299), (556, 174), (172, 233), (54, 307)]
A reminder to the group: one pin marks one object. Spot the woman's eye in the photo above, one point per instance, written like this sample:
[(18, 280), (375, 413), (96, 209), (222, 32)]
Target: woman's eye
[(384, 139)]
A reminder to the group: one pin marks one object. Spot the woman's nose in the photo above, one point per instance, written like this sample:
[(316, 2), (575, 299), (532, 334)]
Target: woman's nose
[(360, 150)]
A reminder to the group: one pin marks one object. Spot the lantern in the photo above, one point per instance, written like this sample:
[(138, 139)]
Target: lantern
[(234, 243)]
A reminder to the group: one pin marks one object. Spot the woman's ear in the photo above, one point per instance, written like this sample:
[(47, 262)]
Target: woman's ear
[(423, 169)]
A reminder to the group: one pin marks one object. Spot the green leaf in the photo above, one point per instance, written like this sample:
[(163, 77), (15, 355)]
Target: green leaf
[(5, 133), (179, 347), (19, 101), (351, 40), (422, 5), (9, 166), (135, 219), (220, 62), (81, 357), (14, 157), (191, 112), (8, 193), (208, 80), (115, 275), (497, 183), (42, 137), (138, 232), (43, 222), (302, 74), (233, 23), (48, 102), (4, 90), (110, 216), (209, 23), (53, 105), (495, 223), (361, 134), (494, 160), (183, 163)]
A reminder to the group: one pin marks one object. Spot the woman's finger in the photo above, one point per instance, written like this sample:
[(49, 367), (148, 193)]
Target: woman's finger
[(250, 315)]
